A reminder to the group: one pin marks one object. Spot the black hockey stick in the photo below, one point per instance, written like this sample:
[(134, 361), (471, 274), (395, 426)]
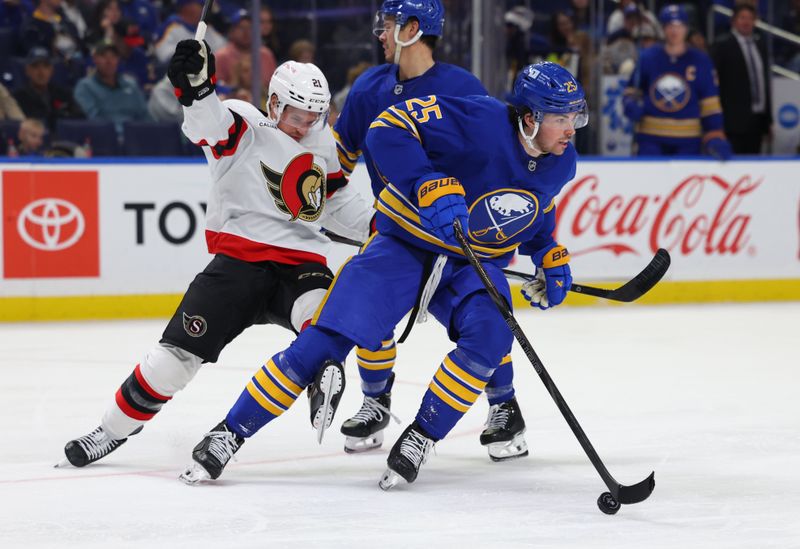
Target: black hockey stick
[(609, 502), (630, 291)]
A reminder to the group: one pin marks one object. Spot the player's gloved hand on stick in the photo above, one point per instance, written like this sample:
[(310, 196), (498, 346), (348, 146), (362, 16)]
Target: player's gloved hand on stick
[(632, 108), (441, 201), (192, 71), (719, 148), (553, 277)]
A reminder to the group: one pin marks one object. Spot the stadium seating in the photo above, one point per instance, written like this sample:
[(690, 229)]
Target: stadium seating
[(152, 139), (100, 134)]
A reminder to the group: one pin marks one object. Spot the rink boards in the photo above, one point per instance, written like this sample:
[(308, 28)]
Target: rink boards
[(104, 239)]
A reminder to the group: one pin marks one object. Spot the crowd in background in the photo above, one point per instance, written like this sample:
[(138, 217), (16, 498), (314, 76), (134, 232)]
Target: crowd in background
[(106, 59)]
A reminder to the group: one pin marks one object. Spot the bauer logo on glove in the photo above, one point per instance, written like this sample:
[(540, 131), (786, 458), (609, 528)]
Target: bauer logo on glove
[(553, 277)]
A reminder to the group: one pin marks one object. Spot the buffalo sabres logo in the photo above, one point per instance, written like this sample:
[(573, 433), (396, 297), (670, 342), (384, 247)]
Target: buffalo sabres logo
[(195, 325), (500, 215), (300, 190), (670, 93)]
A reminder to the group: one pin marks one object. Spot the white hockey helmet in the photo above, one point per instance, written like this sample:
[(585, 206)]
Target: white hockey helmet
[(301, 85)]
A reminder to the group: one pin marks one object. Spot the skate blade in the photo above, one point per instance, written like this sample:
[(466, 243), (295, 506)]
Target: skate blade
[(513, 449), (389, 480), (331, 385), (356, 445), (63, 463), (194, 474)]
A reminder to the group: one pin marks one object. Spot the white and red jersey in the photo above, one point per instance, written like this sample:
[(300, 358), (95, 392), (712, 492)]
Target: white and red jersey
[(271, 194)]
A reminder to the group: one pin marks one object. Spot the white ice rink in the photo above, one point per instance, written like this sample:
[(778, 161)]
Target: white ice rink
[(705, 396)]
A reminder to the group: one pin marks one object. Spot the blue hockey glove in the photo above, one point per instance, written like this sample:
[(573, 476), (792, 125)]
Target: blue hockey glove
[(719, 148), (632, 108), (553, 278), (441, 201)]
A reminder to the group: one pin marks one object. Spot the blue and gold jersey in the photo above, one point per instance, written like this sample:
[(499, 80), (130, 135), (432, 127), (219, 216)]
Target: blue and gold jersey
[(378, 89), (510, 195), (681, 95)]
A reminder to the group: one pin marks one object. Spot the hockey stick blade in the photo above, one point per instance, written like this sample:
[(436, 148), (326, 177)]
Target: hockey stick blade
[(623, 494), (636, 492), (630, 291)]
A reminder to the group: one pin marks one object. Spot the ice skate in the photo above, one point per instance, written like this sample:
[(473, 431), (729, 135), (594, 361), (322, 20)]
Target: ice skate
[(408, 454), (324, 396), (364, 431), (504, 435), (89, 448), (212, 454)]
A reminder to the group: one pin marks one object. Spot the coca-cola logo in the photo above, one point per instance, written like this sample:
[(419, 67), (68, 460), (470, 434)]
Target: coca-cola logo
[(699, 215), (50, 224)]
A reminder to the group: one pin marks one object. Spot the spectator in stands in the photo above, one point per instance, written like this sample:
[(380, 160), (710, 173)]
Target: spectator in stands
[(73, 11), (144, 14), (30, 139), (269, 33), (106, 14), (133, 60), (106, 95), (14, 12), (162, 105), (617, 19), (43, 99), (238, 47), (9, 108), (338, 99), (518, 20), (182, 26), (48, 29), (570, 48), (745, 92), (697, 40), (302, 51)]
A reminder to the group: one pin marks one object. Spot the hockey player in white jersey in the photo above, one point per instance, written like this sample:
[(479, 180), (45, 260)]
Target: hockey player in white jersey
[(276, 182)]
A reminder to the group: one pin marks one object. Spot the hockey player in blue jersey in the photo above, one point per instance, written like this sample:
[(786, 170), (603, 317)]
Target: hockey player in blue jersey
[(497, 169), (674, 98), (408, 31)]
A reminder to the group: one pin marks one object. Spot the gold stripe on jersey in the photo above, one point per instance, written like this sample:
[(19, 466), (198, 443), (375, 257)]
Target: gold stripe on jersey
[(388, 118), (709, 106), (351, 156), (668, 127), (550, 206), (408, 120), (506, 360)]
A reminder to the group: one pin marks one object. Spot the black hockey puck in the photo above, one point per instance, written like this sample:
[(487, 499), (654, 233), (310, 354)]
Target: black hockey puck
[(608, 504)]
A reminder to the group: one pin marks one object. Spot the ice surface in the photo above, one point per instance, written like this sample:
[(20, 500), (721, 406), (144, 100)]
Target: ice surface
[(704, 395)]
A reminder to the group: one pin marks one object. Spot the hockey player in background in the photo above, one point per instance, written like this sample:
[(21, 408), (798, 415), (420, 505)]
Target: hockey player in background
[(276, 181), (408, 31), (673, 96), (496, 169)]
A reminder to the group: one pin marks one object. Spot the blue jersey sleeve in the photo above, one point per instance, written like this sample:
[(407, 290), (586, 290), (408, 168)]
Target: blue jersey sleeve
[(350, 129), (710, 106)]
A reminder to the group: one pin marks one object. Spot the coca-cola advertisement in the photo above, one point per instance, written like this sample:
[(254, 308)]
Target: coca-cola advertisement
[(737, 220)]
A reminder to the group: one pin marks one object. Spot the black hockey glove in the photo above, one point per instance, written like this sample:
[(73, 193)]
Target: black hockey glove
[(192, 71)]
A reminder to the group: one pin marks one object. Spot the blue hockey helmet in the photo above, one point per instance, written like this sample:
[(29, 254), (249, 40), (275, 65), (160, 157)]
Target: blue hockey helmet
[(548, 87), (673, 13), (429, 13)]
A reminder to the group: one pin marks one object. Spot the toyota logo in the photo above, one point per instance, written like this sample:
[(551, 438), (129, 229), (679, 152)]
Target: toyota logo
[(55, 223)]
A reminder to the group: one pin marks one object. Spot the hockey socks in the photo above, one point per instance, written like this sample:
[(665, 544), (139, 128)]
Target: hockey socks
[(375, 368), (269, 393), (501, 385), (454, 388)]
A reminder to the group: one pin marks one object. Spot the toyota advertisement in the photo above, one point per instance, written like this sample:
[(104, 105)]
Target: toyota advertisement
[(102, 229)]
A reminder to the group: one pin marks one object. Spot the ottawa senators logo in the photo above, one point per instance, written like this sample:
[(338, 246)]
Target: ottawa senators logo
[(300, 190)]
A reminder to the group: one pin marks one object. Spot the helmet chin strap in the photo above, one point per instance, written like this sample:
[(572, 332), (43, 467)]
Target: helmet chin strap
[(399, 44), (529, 138)]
